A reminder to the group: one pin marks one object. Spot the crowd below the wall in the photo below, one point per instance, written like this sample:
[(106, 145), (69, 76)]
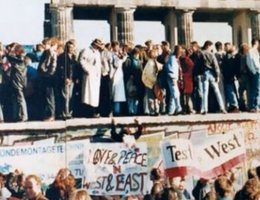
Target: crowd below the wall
[(18, 186), (103, 80)]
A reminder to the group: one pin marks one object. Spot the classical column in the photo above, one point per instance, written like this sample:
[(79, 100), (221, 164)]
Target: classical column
[(170, 25), (241, 27), (255, 23), (113, 26), (47, 21), (122, 24), (62, 21), (185, 26)]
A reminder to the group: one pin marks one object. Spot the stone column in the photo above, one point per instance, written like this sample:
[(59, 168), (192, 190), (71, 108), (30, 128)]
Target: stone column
[(47, 21), (122, 24), (171, 29), (185, 26), (113, 26), (62, 21), (241, 27), (255, 23)]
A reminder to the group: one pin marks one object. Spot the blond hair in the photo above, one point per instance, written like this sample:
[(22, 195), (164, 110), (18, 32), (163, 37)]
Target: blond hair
[(82, 195)]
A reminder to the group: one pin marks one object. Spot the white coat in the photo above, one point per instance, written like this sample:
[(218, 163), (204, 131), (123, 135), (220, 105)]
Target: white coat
[(118, 86), (90, 61)]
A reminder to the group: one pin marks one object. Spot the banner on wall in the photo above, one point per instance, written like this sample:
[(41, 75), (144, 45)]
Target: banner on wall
[(115, 169), (44, 159), (209, 159), (178, 157)]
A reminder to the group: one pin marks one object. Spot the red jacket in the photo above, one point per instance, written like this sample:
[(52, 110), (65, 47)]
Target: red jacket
[(187, 66)]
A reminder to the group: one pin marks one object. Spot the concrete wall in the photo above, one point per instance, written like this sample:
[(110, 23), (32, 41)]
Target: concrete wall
[(156, 129)]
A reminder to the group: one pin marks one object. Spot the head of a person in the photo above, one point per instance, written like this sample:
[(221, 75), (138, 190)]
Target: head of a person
[(243, 49), (165, 45), (152, 54), (132, 197), (155, 174), (228, 47), (136, 52), (108, 46), (207, 45), (178, 51), (97, 44), (70, 47), (219, 46), (2, 180), (251, 187), (15, 49), (194, 46), (223, 187), (70, 183), (82, 195), (32, 186), (20, 180), (149, 44), (175, 181), (29, 58), (39, 47), (255, 42), (51, 43), (115, 45)]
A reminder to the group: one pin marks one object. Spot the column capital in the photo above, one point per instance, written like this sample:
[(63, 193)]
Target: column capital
[(185, 10), (61, 6), (255, 11), (121, 9)]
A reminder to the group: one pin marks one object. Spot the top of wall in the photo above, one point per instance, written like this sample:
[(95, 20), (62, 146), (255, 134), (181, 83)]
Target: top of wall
[(182, 4)]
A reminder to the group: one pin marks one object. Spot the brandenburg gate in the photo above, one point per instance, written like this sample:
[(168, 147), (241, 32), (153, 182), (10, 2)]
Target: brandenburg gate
[(177, 16)]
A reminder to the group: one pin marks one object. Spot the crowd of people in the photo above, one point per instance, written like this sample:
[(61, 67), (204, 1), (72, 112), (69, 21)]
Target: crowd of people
[(17, 186), (57, 82)]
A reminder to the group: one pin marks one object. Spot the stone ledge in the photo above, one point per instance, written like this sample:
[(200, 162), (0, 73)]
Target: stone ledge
[(78, 123)]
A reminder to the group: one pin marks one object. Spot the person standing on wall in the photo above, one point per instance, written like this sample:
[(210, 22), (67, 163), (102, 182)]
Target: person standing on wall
[(253, 63), (46, 69), (211, 73), (66, 65), (90, 61)]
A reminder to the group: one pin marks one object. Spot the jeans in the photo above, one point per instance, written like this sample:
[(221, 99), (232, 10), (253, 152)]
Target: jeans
[(1, 102), (48, 98), (244, 91), (20, 107), (66, 100), (117, 108), (231, 95), (174, 98), (132, 105), (256, 80), (254, 92), (153, 103), (198, 93), (209, 79)]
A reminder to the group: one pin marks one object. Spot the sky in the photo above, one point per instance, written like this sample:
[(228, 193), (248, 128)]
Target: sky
[(22, 21)]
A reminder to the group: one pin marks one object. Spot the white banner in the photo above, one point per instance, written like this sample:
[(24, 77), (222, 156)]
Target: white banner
[(177, 156), (220, 153), (43, 160), (116, 169), (212, 157)]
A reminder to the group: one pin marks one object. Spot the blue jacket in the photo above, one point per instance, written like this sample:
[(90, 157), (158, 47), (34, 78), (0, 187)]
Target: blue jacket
[(172, 67)]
